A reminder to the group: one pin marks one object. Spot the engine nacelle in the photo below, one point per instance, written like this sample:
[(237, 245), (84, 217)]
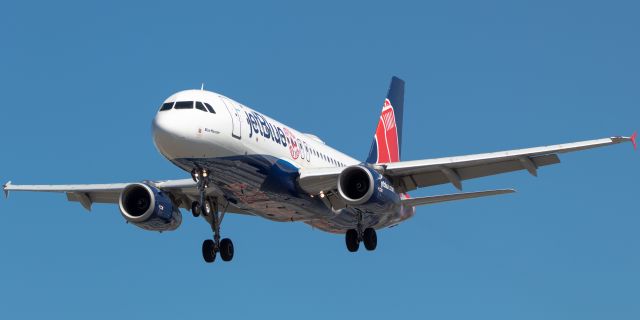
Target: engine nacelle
[(149, 208), (366, 189)]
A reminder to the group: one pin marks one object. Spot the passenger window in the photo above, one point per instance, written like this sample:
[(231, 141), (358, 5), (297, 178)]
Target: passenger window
[(209, 108), (184, 105), (166, 106), (200, 106)]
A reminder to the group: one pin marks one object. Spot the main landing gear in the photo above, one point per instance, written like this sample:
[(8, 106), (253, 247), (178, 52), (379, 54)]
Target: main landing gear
[(208, 207), (353, 237)]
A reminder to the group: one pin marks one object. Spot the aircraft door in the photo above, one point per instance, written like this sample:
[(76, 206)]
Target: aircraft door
[(234, 111)]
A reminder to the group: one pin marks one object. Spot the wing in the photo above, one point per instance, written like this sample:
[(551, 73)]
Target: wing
[(410, 175), (182, 191)]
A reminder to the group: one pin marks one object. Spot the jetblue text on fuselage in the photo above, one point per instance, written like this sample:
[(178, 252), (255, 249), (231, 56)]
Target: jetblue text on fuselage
[(260, 125)]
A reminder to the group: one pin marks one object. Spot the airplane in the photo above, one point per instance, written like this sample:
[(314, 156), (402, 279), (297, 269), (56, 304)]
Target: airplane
[(244, 162)]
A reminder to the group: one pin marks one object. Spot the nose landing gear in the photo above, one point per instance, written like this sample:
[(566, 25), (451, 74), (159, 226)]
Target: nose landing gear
[(208, 207)]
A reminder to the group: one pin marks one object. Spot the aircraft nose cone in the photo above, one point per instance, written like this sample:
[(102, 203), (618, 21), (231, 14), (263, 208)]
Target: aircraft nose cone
[(161, 125), (179, 134), (166, 135)]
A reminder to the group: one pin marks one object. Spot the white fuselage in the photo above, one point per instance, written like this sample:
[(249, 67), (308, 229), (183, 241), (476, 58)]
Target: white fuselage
[(253, 159), (193, 133)]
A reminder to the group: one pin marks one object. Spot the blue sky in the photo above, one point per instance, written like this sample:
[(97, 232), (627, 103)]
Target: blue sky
[(82, 80)]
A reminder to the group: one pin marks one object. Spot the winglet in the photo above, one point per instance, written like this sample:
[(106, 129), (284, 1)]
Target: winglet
[(633, 138), (4, 188)]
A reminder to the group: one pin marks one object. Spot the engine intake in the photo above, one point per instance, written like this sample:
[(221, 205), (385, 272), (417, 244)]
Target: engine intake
[(356, 185), (149, 208), (364, 188)]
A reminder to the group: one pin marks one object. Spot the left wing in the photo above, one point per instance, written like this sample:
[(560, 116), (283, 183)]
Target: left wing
[(410, 175)]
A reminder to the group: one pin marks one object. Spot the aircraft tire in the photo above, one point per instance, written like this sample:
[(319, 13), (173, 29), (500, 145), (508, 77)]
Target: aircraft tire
[(370, 239), (226, 249), (208, 251), (351, 240), (195, 209)]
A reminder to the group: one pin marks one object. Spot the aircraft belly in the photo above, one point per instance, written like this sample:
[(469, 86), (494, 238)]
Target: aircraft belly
[(261, 184), (266, 186)]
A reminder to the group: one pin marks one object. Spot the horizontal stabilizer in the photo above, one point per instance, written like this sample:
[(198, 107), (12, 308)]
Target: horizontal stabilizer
[(452, 197), (5, 189)]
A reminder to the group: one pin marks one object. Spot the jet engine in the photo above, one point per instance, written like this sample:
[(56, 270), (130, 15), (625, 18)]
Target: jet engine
[(149, 208), (365, 188)]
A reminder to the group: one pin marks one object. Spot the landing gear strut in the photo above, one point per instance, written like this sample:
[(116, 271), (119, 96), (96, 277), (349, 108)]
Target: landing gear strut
[(353, 237), (208, 207)]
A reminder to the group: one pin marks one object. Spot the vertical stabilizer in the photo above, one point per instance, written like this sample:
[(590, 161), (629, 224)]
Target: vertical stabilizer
[(387, 140)]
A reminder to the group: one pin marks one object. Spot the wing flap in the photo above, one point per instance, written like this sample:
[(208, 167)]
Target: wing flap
[(94, 197), (453, 197)]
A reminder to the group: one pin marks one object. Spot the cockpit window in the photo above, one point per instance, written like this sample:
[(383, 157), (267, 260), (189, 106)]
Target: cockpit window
[(209, 108), (184, 105), (166, 106), (200, 106)]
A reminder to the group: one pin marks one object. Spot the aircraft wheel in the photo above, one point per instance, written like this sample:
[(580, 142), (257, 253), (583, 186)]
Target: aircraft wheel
[(208, 251), (226, 249), (195, 208), (352, 241), (370, 239)]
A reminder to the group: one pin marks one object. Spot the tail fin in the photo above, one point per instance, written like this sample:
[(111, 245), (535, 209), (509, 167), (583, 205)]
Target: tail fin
[(387, 140)]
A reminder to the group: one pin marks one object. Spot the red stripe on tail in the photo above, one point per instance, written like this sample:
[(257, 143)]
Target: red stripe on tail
[(387, 135)]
